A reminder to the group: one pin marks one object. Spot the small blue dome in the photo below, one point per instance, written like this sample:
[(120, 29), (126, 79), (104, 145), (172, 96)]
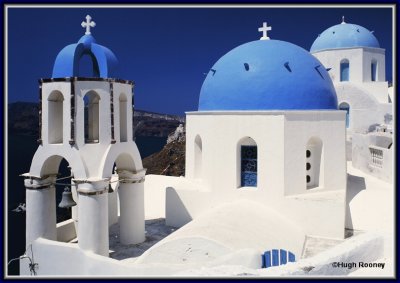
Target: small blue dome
[(267, 75), (67, 61), (344, 36)]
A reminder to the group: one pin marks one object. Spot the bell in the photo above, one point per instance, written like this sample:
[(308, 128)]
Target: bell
[(67, 200)]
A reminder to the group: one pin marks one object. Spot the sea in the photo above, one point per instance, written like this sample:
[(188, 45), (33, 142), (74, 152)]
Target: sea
[(19, 156)]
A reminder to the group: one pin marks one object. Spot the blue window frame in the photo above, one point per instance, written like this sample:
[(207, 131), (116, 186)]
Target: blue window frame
[(344, 70), (248, 166)]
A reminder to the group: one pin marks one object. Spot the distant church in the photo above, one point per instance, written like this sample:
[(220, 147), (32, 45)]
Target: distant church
[(270, 129), (356, 64)]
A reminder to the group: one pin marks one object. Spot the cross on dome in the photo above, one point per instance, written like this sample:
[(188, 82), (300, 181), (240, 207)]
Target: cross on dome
[(264, 29), (88, 24), (343, 22)]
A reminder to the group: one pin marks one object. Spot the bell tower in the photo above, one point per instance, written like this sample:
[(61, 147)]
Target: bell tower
[(86, 120)]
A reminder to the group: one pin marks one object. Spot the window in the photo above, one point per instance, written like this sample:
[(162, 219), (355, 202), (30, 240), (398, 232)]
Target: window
[(123, 118), (91, 120), (55, 117), (374, 70), (249, 166), (314, 163), (344, 70), (247, 163), (345, 106), (198, 157)]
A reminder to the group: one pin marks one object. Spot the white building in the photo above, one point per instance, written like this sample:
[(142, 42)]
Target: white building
[(268, 130), (88, 122), (356, 64), (265, 167)]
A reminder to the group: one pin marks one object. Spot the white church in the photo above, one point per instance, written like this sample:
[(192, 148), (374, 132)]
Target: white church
[(267, 157), (356, 65)]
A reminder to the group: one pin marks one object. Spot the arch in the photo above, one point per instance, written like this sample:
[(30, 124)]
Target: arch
[(345, 106), (88, 66), (55, 103), (247, 167), (67, 61), (198, 157), (123, 118), (125, 156), (344, 70), (45, 162), (314, 163), (374, 70), (92, 117)]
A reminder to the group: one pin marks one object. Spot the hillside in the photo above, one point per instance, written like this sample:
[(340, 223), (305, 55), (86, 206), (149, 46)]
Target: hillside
[(170, 161)]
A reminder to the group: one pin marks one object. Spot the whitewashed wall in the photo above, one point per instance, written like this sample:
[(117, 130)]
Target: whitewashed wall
[(281, 139)]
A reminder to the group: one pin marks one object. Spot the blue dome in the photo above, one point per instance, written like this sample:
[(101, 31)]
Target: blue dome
[(67, 61), (267, 75), (344, 36)]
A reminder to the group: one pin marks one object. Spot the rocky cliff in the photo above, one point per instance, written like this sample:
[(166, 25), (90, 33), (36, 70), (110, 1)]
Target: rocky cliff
[(170, 161)]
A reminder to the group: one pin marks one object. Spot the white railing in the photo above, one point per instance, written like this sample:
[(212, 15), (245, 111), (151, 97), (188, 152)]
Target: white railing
[(376, 156)]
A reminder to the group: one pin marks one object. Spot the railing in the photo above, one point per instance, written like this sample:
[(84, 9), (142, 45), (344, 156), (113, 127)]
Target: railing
[(376, 156)]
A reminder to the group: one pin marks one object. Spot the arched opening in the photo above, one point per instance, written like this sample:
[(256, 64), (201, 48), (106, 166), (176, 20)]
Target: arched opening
[(374, 70), (55, 117), (92, 117), (344, 70), (131, 222), (345, 106), (314, 163), (123, 127), (198, 157), (66, 217), (88, 66), (247, 162)]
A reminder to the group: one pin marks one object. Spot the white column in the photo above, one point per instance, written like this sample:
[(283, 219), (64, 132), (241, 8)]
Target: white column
[(131, 198), (40, 209), (93, 216)]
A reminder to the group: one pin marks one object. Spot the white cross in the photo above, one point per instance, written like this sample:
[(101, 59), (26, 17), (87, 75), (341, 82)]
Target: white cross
[(88, 24), (264, 29), (343, 22)]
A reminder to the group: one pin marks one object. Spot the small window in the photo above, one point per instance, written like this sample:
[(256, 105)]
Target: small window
[(308, 179), (344, 70), (55, 117), (308, 153), (123, 118), (246, 166), (92, 117), (249, 166), (373, 70), (308, 166)]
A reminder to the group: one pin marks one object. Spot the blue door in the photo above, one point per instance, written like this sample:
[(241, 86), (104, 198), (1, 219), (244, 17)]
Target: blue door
[(277, 257), (248, 166)]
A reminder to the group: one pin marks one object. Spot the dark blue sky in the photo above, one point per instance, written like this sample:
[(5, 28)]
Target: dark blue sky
[(166, 51)]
